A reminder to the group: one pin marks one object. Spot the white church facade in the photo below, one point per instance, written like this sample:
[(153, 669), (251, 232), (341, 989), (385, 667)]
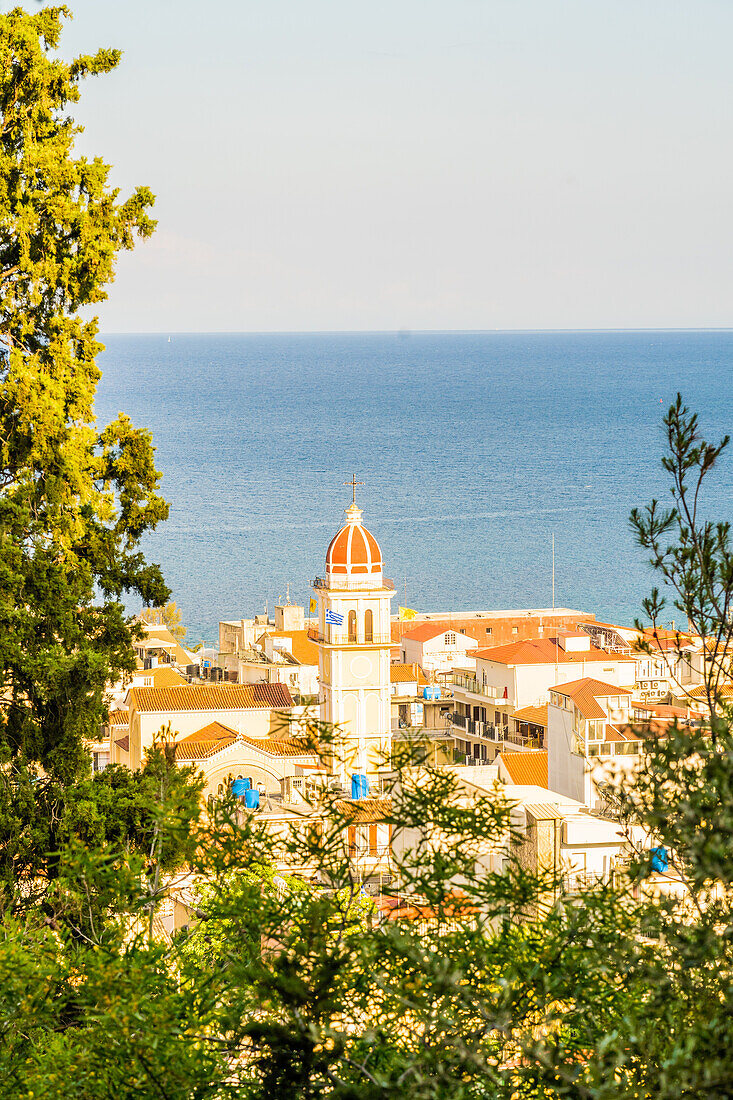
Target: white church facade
[(354, 642)]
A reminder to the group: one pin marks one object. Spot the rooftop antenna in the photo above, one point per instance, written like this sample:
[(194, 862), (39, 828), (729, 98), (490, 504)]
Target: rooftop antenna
[(553, 571), (557, 644), (353, 483), (288, 593)]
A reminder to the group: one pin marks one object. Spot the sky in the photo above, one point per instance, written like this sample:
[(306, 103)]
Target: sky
[(418, 164)]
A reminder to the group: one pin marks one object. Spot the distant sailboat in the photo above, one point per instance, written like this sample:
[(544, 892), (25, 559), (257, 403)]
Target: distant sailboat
[(169, 339)]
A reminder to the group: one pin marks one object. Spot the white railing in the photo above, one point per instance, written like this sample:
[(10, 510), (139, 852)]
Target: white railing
[(343, 638), (342, 582)]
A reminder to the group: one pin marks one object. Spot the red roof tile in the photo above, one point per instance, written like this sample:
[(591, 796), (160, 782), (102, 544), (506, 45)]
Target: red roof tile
[(303, 649), (406, 674), (542, 651), (205, 742), (211, 697), (281, 746), (526, 768), (365, 811), (585, 692), (536, 716)]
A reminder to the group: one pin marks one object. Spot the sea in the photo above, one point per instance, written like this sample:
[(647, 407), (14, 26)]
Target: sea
[(475, 450)]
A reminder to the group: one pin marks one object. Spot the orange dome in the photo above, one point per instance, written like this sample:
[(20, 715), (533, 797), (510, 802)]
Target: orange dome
[(354, 550)]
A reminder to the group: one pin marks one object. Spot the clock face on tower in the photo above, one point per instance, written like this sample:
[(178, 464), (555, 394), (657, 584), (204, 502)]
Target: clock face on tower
[(361, 667)]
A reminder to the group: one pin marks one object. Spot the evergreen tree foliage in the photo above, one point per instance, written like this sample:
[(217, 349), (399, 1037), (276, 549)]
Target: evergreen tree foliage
[(74, 500)]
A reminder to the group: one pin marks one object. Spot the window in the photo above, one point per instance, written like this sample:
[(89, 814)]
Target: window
[(352, 626), (450, 639), (515, 630), (368, 626), (100, 760), (488, 630)]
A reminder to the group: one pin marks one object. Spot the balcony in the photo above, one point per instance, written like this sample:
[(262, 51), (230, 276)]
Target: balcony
[(341, 638), (471, 684), (359, 583), (525, 740), (488, 730)]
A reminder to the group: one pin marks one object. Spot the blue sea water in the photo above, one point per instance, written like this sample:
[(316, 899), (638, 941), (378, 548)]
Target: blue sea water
[(474, 449)]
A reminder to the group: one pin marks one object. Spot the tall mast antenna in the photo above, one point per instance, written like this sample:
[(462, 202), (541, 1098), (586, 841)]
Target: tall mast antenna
[(553, 570)]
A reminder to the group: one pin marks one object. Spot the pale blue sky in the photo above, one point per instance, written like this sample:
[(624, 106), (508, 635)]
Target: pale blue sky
[(419, 164)]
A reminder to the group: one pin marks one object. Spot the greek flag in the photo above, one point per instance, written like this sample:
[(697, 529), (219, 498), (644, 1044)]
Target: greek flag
[(334, 618)]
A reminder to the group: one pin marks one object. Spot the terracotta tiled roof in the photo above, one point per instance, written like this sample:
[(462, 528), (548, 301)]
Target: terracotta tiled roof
[(526, 768), (585, 692), (124, 743), (119, 718), (215, 736), (663, 639), (304, 650), (661, 710), (365, 811), (402, 909), (536, 716), (614, 733), (700, 692), (166, 676), (407, 674), (542, 651), (211, 697), (280, 746), (205, 742), (658, 727)]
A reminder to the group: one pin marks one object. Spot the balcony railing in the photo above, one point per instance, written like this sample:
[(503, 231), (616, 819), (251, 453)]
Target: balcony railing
[(342, 638), (488, 730), (470, 683), (614, 748), (471, 761), (525, 740), (357, 583)]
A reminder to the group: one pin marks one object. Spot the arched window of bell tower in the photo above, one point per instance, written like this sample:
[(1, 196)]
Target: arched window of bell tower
[(352, 626), (368, 625)]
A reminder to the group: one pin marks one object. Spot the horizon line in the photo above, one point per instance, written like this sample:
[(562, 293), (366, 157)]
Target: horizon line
[(407, 332)]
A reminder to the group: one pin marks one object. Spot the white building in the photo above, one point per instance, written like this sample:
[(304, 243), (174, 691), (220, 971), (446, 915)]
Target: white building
[(354, 641), (588, 726), (437, 650), (672, 666), (514, 677)]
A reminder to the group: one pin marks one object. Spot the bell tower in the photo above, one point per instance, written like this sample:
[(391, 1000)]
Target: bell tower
[(354, 641)]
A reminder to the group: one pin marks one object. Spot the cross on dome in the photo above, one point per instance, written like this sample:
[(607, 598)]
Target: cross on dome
[(353, 483)]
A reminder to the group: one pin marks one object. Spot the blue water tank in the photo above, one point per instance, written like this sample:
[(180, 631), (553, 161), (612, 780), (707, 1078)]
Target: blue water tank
[(660, 859), (359, 786), (432, 691), (252, 800), (240, 787)]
